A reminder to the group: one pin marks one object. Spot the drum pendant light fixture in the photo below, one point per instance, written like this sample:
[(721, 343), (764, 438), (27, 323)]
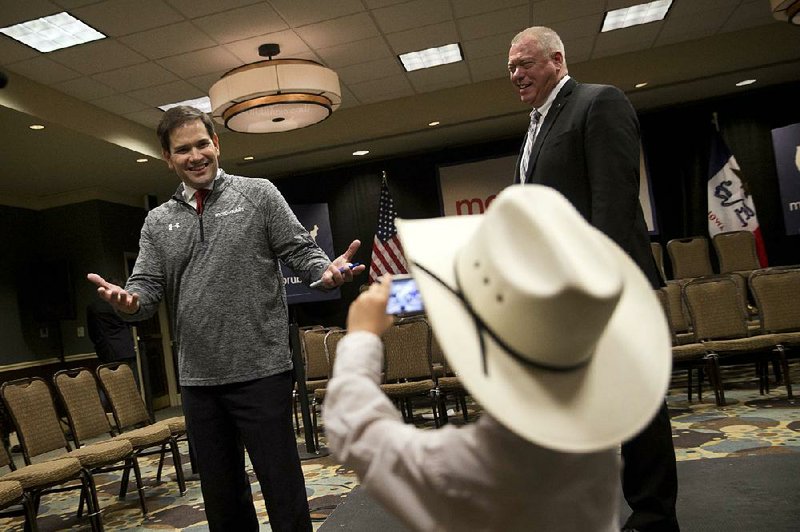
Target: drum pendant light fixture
[(275, 95)]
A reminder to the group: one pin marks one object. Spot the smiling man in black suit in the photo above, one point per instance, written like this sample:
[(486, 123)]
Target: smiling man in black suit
[(583, 141)]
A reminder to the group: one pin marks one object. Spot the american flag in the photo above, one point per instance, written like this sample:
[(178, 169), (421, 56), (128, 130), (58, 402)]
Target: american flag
[(387, 253)]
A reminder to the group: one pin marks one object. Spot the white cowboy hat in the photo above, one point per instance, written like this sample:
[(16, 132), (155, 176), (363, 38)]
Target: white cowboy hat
[(548, 323)]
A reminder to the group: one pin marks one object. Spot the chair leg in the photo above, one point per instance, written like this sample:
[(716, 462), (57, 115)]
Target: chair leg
[(176, 460), (123, 483), (462, 398), (784, 369), (134, 463), (161, 462), (92, 504), (296, 417), (441, 400), (30, 513)]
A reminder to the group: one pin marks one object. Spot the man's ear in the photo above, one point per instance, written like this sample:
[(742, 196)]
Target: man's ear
[(165, 156), (558, 59), (215, 140)]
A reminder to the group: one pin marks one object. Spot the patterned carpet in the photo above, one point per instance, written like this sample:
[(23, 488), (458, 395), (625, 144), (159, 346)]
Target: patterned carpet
[(751, 424)]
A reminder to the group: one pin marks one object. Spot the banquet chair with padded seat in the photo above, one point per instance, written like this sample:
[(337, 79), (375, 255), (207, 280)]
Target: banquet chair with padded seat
[(40, 431), (13, 494), (78, 393), (447, 383), (719, 319), (686, 354), (133, 421), (408, 371), (736, 252), (330, 340), (777, 295), (689, 257), (315, 362), (37, 480)]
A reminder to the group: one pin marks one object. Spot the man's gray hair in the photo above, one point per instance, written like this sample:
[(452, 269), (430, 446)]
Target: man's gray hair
[(548, 40)]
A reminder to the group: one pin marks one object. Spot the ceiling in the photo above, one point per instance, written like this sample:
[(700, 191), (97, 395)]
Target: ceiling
[(99, 100)]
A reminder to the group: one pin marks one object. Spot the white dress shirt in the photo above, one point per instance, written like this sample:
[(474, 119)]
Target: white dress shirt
[(481, 477)]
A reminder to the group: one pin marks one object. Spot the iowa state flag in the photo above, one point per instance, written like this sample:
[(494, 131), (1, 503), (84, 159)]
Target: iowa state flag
[(730, 207)]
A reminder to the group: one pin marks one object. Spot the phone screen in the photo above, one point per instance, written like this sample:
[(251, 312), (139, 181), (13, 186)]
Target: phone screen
[(404, 297)]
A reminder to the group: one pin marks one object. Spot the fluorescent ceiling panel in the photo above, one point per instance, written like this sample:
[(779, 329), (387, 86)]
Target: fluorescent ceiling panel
[(443, 55), (52, 33), (634, 15), (204, 104)]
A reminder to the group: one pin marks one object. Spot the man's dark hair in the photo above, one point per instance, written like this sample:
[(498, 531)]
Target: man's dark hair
[(176, 117)]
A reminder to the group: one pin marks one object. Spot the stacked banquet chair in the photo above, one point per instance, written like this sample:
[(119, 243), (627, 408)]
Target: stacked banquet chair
[(777, 296), (39, 430), (77, 390), (686, 354), (447, 383), (329, 342), (408, 371), (133, 421), (720, 322)]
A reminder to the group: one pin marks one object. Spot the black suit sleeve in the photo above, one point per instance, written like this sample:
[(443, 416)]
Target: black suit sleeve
[(612, 162)]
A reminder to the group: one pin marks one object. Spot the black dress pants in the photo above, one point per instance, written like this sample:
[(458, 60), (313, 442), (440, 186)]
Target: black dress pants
[(224, 420), (650, 478)]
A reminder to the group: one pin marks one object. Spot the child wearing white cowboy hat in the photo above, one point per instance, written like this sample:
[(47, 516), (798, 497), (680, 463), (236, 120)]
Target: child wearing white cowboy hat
[(552, 329)]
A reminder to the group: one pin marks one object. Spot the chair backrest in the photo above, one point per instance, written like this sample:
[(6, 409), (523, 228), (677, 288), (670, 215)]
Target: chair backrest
[(5, 458), (658, 257), (30, 403), (77, 389), (313, 341), (332, 338), (678, 313), (119, 385), (736, 251), (407, 351), (689, 257), (716, 308), (777, 295)]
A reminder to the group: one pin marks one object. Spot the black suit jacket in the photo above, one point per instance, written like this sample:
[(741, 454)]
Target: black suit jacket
[(588, 149)]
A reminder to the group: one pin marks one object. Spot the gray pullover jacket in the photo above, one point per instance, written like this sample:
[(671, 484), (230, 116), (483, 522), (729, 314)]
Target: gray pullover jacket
[(220, 275)]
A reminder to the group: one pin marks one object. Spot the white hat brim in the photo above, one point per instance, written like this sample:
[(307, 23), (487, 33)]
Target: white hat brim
[(596, 407)]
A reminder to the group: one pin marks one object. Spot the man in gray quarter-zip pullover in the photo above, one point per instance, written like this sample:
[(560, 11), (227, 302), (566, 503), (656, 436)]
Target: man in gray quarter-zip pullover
[(213, 251)]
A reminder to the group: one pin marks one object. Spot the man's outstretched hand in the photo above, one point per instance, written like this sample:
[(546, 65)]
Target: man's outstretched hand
[(125, 302), (333, 277)]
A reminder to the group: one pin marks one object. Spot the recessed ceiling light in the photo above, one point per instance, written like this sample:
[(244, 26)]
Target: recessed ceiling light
[(142, 160), (249, 158), (745, 82), (640, 85), (431, 57), (57, 31), (434, 123), (360, 153), (203, 104), (634, 15), (36, 126)]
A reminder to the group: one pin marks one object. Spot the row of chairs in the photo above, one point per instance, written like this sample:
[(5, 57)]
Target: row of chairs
[(690, 257), (413, 367), (31, 405), (710, 323)]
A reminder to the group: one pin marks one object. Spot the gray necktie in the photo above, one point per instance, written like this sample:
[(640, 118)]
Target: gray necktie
[(526, 154)]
